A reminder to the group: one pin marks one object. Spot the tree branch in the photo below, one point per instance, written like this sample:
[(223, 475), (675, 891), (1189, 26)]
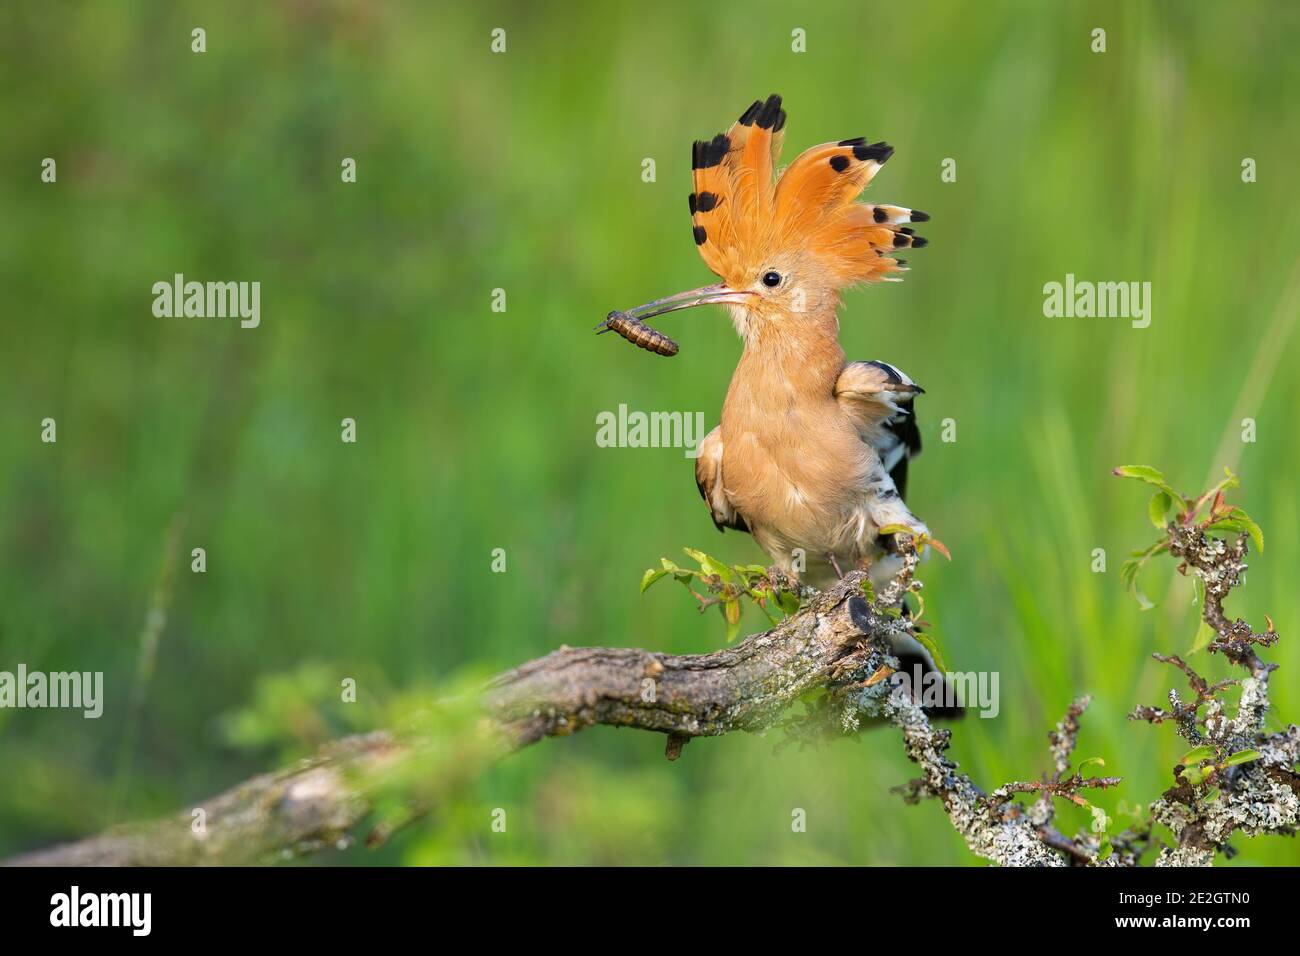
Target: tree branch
[(320, 801), (839, 643)]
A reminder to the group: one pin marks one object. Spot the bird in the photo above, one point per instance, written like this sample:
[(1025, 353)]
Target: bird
[(812, 451)]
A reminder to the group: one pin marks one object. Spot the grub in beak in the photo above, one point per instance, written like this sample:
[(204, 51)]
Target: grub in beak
[(632, 326)]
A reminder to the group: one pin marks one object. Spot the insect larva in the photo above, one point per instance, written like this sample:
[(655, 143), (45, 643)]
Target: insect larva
[(638, 333)]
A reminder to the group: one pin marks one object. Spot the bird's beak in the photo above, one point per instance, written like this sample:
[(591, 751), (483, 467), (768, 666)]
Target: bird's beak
[(707, 295)]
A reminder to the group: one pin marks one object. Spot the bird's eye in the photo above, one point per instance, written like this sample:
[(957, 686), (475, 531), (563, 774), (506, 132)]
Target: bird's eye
[(771, 279)]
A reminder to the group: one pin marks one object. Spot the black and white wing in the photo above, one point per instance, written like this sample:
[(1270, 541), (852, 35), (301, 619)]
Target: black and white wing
[(879, 397)]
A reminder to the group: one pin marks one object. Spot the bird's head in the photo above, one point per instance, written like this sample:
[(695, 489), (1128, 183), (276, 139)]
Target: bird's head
[(785, 247)]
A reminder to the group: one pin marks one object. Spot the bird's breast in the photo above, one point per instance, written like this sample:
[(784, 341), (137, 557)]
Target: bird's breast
[(798, 471)]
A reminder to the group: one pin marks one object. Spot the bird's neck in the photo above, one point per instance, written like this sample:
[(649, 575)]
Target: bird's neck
[(788, 361)]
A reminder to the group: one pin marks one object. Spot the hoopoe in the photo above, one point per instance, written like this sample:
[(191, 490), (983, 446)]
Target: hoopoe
[(812, 453)]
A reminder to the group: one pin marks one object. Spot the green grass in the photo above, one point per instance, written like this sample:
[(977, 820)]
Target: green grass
[(522, 171)]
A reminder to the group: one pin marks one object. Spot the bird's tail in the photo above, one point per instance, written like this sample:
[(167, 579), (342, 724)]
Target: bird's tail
[(919, 675), (929, 686)]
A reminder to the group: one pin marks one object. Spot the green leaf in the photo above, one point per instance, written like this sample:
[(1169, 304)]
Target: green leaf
[(1253, 529), (1128, 573), (1091, 761), (681, 575), (1150, 475), (1158, 509), (766, 598), (893, 529), (812, 696), (731, 611), (1100, 822), (788, 601), (1104, 847), (1237, 526), (1197, 775), (920, 605), (651, 576), (1230, 481), (929, 643), (1204, 634), (711, 565), (1241, 756), (1196, 755)]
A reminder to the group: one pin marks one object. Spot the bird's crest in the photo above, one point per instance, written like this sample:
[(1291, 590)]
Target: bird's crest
[(742, 215)]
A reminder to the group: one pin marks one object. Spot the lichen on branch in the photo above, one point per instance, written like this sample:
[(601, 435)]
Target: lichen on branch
[(830, 653)]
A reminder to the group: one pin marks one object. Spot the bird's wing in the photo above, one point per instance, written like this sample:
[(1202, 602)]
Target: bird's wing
[(878, 397), (708, 478)]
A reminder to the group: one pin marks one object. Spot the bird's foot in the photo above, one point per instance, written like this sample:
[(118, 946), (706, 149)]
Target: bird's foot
[(781, 579)]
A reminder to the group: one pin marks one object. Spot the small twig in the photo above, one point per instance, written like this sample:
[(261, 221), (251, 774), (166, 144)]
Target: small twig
[(1255, 796)]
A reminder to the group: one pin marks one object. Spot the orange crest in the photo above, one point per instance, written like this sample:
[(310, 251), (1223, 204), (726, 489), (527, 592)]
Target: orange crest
[(743, 217)]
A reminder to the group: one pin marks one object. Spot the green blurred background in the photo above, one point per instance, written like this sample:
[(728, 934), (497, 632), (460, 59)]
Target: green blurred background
[(476, 430)]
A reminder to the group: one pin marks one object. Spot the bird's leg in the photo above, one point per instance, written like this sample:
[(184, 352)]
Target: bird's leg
[(835, 564)]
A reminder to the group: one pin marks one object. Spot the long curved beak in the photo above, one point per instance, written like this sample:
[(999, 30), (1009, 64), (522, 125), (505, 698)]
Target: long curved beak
[(718, 294)]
